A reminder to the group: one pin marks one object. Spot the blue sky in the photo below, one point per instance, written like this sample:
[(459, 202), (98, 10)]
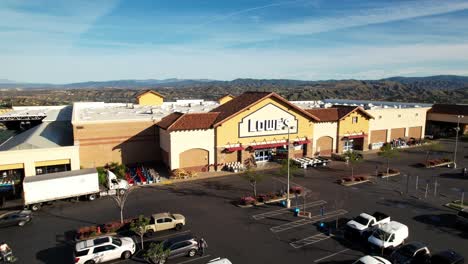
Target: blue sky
[(71, 41)]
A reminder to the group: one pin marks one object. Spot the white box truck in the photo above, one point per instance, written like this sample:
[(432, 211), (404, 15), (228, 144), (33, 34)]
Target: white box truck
[(46, 188)]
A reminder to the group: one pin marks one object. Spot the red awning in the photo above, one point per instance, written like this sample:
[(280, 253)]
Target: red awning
[(268, 146), (233, 149), (302, 142), (357, 136)]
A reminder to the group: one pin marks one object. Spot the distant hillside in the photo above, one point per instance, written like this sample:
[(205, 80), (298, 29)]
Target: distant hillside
[(435, 89)]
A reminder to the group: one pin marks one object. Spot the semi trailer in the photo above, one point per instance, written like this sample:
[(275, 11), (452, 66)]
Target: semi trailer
[(46, 188)]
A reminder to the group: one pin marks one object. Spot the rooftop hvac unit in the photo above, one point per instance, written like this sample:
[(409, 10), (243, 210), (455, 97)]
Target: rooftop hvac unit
[(130, 106)]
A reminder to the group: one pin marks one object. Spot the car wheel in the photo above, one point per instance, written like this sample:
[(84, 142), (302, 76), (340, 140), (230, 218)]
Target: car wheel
[(178, 227), (122, 191), (150, 232), (90, 262), (192, 253), (35, 207), (126, 255), (22, 223)]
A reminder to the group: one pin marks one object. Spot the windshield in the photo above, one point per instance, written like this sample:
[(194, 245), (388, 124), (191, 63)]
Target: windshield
[(382, 235), (361, 220), (116, 241), (166, 244)]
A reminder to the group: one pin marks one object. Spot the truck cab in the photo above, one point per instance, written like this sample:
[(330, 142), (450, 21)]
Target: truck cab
[(165, 221), (113, 183), (389, 235), (365, 222)]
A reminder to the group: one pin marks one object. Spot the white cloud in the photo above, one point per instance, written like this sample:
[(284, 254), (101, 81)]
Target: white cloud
[(365, 17)]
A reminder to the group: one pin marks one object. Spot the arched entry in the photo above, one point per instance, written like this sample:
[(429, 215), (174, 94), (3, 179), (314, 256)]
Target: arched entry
[(194, 159), (325, 146)]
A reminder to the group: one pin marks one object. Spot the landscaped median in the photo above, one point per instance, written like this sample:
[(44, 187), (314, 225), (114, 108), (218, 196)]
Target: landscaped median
[(389, 173), (438, 163), (268, 198), (457, 205), (350, 181)]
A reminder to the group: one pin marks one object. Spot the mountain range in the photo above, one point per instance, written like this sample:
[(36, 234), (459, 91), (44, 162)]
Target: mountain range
[(432, 89), (431, 82)]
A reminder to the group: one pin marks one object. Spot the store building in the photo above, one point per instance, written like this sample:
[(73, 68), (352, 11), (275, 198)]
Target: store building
[(442, 119), (253, 126), (44, 148)]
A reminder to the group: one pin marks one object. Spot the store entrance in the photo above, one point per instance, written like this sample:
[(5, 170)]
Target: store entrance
[(262, 155)]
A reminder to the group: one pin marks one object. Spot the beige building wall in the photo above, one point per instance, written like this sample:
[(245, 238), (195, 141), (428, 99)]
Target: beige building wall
[(150, 98), (181, 141), (28, 158), (126, 142), (392, 118), (446, 118), (328, 129)]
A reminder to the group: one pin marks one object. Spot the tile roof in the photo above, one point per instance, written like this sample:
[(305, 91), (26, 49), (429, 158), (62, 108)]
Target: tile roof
[(169, 120), (345, 110), (449, 109), (325, 114), (247, 99), (189, 121)]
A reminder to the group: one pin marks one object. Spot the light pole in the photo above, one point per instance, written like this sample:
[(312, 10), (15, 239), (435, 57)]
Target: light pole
[(288, 201), (457, 129)]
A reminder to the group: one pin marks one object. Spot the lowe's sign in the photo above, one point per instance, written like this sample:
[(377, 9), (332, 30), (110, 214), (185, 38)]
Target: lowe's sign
[(266, 121)]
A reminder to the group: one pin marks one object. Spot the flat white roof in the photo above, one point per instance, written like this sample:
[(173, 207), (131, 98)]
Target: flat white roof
[(368, 105), (88, 112)]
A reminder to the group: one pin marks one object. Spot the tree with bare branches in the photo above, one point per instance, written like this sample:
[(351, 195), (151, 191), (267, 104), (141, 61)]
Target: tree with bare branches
[(121, 199)]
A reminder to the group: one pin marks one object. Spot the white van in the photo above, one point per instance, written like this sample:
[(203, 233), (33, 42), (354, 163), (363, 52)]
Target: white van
[(389, 235)]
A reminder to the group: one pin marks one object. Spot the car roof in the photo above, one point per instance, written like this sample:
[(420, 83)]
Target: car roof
[(159, 215), (18, 212), (180, 238), (84, 244), (414, 245), (369, 259), (449, 255), (220, 261)]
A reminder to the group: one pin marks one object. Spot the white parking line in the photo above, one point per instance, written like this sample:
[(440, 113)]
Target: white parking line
[(286, 210), (331, 255), (306, 221), (309, 240), (190, 260)]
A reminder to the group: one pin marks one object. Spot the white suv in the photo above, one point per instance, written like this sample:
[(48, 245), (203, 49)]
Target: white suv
[(103, 249)]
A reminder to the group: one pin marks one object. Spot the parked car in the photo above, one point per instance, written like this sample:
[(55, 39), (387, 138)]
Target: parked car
[(364, 222), (219, 261), (372, 260), (388, 236), (447, 257), (185, 245), (462, 217), (411, 253), (164, 221), (103, 249), (15, 218)]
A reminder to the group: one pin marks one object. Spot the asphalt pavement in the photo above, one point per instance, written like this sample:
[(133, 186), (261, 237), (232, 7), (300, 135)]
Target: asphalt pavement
[(258, 234)]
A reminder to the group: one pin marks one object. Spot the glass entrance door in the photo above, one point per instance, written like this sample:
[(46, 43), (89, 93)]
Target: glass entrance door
[(262, 155)]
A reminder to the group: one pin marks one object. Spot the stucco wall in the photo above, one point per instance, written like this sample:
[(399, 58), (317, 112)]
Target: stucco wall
[(150, 99), (446, 118), (346, 126), (325, 129), (29, 156), (228, 131), (123, 142), (391, 118), (181, 141)]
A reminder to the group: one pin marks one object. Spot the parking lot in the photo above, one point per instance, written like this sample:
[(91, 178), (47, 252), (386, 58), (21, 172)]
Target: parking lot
[(270, 234)]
